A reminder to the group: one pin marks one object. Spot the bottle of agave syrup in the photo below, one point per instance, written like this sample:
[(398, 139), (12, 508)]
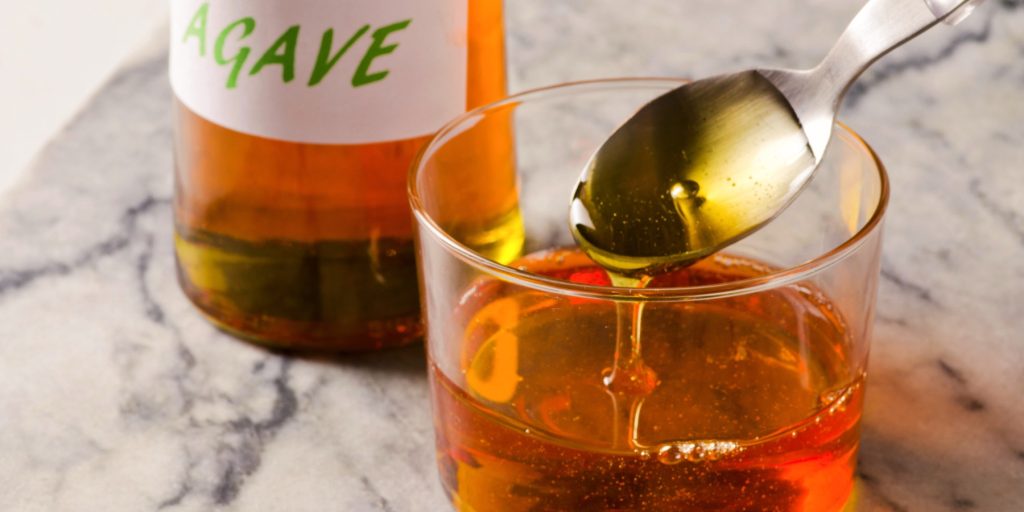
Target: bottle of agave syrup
[(295, 124)]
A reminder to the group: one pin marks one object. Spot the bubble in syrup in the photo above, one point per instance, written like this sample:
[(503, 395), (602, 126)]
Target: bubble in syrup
[(672, 454), (685, 189)]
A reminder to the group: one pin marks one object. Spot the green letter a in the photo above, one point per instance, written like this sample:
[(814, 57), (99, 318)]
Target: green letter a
[(197, 28), (281, 52)]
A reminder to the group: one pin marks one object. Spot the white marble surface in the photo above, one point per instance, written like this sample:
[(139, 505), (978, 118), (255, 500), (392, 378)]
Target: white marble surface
[(115, 395)]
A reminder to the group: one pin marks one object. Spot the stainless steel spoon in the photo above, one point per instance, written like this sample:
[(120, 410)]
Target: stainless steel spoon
[(712, 161)]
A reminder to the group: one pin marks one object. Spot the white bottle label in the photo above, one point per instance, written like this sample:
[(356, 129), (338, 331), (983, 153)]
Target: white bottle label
[(321, 71)]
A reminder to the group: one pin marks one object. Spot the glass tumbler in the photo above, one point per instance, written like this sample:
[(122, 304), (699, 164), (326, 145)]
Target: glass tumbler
[(734, 384)]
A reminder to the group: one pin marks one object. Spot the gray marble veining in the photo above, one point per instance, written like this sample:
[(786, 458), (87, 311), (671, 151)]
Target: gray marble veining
[(116, 395)]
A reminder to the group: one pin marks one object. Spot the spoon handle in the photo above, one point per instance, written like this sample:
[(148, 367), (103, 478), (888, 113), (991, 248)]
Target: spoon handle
[(879, 27)]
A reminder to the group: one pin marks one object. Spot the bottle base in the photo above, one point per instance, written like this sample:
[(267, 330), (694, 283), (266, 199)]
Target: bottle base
[(286, 336), (311, 297)]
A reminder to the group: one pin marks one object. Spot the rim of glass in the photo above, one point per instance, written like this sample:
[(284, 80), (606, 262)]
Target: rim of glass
[(780, 277)]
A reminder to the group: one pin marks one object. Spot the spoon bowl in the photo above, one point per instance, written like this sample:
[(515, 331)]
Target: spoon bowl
[(684, 175), (712, 161)]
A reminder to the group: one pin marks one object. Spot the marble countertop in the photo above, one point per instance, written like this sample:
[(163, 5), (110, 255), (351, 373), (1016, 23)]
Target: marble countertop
[(116, 395)]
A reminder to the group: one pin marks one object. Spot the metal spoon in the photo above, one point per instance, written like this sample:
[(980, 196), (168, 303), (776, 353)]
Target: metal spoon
[(712, 161)]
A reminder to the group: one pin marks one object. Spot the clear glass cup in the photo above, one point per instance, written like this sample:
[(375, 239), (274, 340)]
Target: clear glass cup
[(735, 384)]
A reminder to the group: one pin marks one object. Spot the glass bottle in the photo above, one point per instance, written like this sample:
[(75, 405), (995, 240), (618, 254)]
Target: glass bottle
[(295, 123)]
